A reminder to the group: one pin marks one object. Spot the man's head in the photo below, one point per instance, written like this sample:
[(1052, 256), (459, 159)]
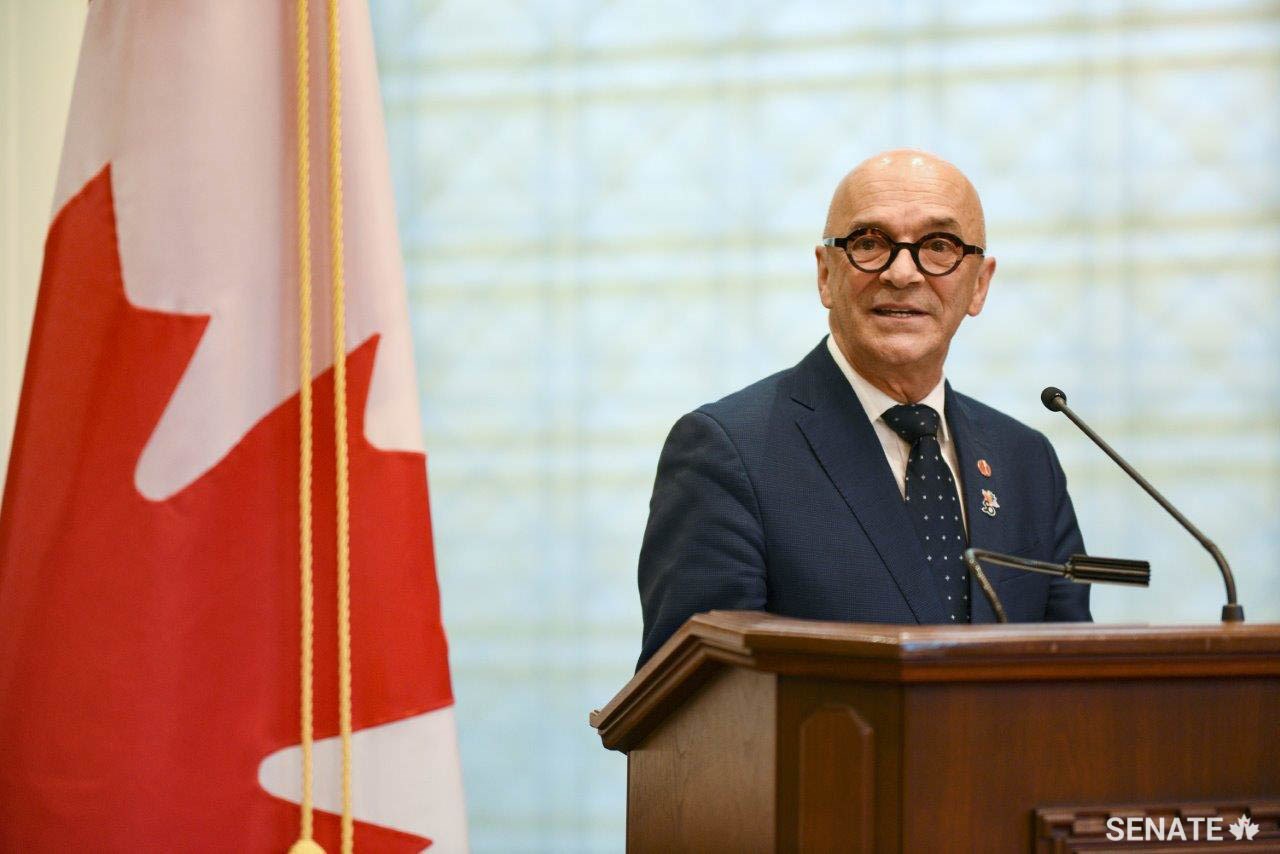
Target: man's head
[(896, 325)]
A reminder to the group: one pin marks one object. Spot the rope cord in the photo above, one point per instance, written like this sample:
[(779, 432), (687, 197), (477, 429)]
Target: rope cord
[(303, 95), (340, 419), (306, 844)]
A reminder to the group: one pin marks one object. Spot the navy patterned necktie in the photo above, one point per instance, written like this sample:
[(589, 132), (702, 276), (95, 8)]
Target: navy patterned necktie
[(933, 506)]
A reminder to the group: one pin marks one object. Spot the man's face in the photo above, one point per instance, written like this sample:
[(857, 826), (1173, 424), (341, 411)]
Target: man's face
[(901, 321)]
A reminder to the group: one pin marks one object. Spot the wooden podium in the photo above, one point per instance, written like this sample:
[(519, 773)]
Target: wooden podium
[(750, 732)]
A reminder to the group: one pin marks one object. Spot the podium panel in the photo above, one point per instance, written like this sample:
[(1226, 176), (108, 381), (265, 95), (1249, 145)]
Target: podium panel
[(752, 732)]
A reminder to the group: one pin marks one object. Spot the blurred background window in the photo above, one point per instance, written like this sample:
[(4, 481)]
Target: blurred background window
[(608, 213)]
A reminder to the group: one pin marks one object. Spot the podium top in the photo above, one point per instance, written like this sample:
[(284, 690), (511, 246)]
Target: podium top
[(912, 654)]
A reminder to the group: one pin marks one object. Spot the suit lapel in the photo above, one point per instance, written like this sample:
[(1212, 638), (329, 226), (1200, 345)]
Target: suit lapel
[(837, 430), (985, 531)]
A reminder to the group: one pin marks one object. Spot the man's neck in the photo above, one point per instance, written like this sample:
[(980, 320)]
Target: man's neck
[(905, 385)]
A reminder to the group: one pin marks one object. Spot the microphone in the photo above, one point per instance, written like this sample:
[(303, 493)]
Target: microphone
[(1055, 400), (1082, 569)]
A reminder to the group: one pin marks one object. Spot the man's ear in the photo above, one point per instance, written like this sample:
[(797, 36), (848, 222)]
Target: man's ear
[(979, 298), (824, 276)]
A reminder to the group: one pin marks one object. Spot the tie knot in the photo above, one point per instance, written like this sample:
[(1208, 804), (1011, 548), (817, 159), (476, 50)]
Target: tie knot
[(912, 421)]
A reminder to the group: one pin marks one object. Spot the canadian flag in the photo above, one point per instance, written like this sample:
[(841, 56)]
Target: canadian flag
[(149, 545)]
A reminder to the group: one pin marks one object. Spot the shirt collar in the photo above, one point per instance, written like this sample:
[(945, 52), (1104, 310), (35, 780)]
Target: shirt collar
[(876, 403)]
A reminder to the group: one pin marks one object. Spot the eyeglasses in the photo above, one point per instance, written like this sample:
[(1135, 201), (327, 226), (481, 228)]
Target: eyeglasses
[(871, 251)]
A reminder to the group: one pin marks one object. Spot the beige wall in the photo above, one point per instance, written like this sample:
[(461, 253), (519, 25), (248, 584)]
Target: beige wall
[(39, 42)]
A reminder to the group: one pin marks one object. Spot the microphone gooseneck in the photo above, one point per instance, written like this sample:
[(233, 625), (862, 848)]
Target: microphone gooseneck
[(1232, 612)]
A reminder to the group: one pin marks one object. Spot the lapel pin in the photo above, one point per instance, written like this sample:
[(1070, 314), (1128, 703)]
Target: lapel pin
[(989, 503), (984, 468)]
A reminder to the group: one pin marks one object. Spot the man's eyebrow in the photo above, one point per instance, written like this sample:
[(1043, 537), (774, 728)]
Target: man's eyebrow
[(942, 222), (933, 223)]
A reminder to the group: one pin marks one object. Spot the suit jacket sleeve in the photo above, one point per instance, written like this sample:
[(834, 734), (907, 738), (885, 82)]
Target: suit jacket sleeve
[(704, 543), (1068, 601)]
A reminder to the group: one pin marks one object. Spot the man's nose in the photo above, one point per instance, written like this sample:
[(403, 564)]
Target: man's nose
[(902, 272)]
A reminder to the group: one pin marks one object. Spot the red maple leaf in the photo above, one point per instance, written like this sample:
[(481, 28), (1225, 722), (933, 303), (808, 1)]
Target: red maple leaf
[(149, 650)]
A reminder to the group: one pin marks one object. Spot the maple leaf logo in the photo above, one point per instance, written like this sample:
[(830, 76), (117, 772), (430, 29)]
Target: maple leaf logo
[(1243, 828)]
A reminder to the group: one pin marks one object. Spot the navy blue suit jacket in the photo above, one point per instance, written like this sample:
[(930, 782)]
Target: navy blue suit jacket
[(779, 498)]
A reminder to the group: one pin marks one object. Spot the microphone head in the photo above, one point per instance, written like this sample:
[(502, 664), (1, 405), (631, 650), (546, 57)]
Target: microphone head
[(1053, 399)]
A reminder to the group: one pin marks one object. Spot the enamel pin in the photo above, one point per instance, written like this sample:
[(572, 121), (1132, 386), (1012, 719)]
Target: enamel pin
[(989, 503), (984, 469)]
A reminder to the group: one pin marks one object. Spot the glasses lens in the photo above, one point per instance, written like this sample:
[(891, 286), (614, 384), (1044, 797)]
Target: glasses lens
[(940, 253), (869, 250)]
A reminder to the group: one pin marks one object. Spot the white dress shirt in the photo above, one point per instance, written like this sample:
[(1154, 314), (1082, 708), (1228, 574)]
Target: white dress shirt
[(896, 449)]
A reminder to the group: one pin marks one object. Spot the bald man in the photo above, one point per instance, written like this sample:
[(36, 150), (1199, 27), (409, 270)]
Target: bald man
[(848, 486)]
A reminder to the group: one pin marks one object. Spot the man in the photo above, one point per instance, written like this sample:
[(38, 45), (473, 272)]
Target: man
[(847, 487)]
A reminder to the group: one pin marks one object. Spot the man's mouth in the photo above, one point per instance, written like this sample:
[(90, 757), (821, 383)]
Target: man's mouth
[(895, 311)]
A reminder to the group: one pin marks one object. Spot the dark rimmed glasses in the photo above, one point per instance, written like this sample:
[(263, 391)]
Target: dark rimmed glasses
[(872, 251)]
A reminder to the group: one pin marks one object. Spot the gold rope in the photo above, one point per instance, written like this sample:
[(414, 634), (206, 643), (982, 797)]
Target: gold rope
[(305, 844), (340, 419)]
